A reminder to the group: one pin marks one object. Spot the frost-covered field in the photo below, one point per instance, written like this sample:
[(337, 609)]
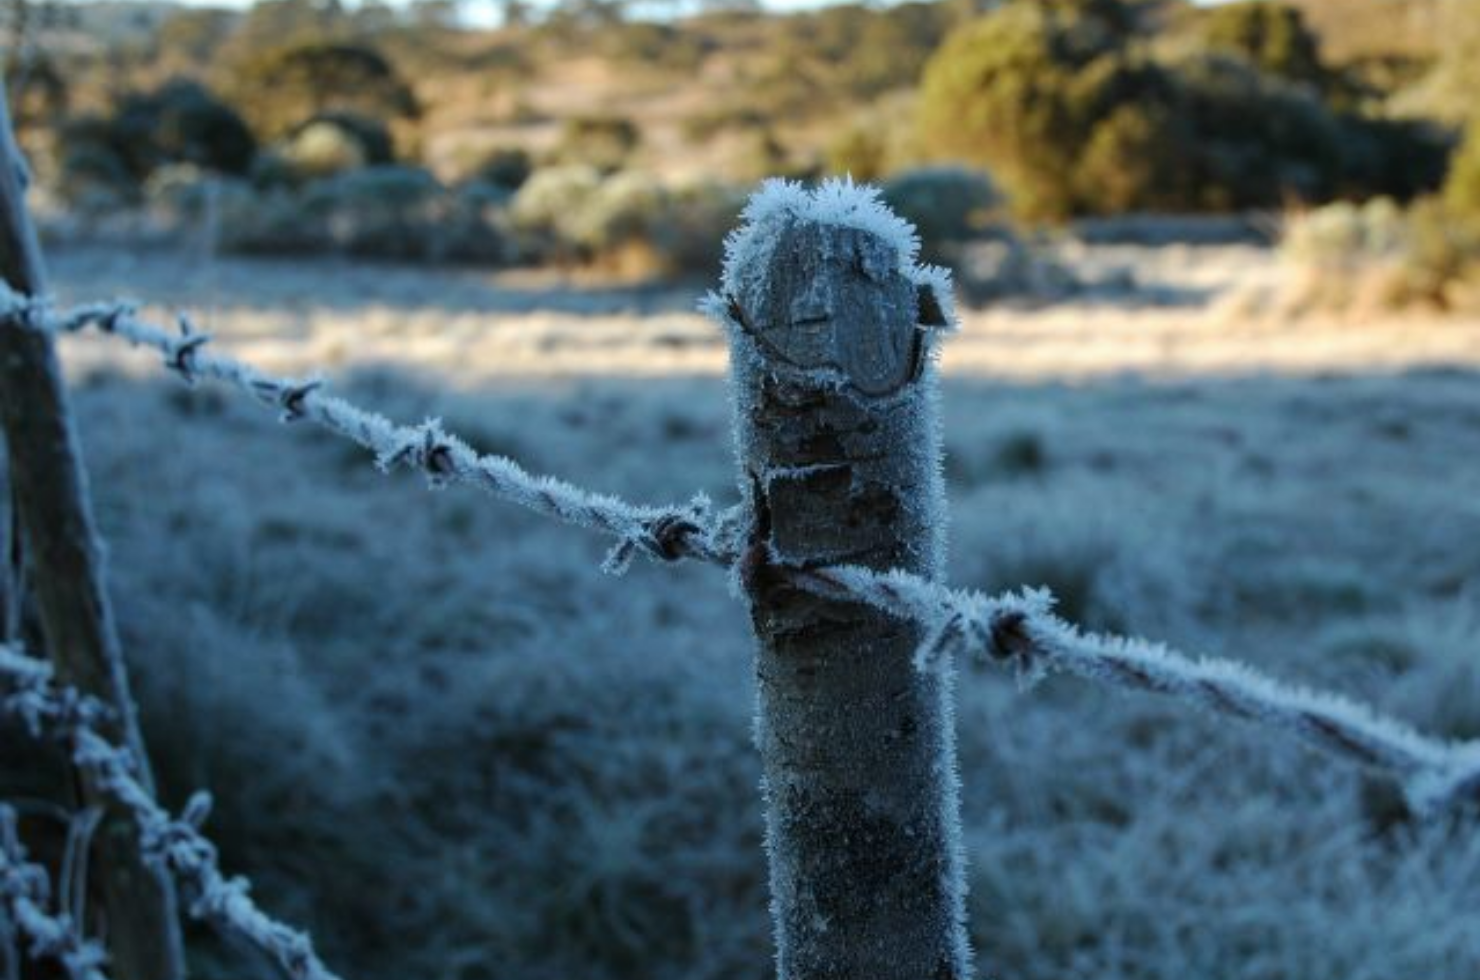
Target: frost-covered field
[(443, 739)]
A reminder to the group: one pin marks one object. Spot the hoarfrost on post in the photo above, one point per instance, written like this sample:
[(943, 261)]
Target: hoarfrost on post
[(839, 202)]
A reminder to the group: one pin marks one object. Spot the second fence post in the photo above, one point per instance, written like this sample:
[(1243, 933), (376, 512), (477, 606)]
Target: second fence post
[(831, 326), (64, 559)]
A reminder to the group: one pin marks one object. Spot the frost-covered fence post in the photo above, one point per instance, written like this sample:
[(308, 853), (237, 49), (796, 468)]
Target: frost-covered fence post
[(831, 326), (64, 562)]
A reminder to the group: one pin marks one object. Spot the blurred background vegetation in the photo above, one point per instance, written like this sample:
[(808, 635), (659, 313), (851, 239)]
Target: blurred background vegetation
[(596, 135)]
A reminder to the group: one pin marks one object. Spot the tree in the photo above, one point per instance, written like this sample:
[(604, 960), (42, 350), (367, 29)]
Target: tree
[(280, 88), (1272, 35), (1014, 92), (1071, 117), (182, 122)]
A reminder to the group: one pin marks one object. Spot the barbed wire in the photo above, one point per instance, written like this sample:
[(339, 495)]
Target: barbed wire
[(1018, 630), (25, 893), (668, 533), (174, 844)]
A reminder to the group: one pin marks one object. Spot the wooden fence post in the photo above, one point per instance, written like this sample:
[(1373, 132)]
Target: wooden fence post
[(831, 325), (66, 571)]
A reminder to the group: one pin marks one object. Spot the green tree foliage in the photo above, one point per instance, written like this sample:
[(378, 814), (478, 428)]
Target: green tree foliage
[(1010, 91), (1062, 103), (1270, 34), (1255, 141), (282, 87)]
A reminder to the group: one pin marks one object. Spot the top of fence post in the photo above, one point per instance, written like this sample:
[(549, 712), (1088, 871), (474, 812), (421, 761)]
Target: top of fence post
[(50, 496), (832, 325)]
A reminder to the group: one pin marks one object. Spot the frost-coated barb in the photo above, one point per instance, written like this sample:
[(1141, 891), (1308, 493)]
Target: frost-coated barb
[(663, 533), (25, 893), (1020, 630), (1017, 629), (174, 843)]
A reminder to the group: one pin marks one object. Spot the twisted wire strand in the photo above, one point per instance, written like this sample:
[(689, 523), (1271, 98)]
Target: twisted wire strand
[(666, 533), (174, 844), (1017, 630), (25, 893)]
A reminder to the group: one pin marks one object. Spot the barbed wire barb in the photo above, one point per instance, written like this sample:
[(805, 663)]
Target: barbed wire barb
[(1016, 630), (48, 710), (25, 894), (671, 533)]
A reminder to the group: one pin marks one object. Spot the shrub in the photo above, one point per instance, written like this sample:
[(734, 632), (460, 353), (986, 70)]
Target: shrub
[(92, 177), (275, 221), (380, 212), (1002, 92), (630, 223), (182, 122), (1443, 259), (1126, 167), (1427, 255), (107, 158), (692, 234), (945, 204), (1253, 141), (1399, 158), (1338, 233), (603, 142), (505, 167), (545, 212), (1462, 185), (624, 208), (471, 226), (335, 143)]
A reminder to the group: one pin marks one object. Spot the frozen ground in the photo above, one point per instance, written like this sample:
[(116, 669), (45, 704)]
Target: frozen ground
[(443, 739)]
